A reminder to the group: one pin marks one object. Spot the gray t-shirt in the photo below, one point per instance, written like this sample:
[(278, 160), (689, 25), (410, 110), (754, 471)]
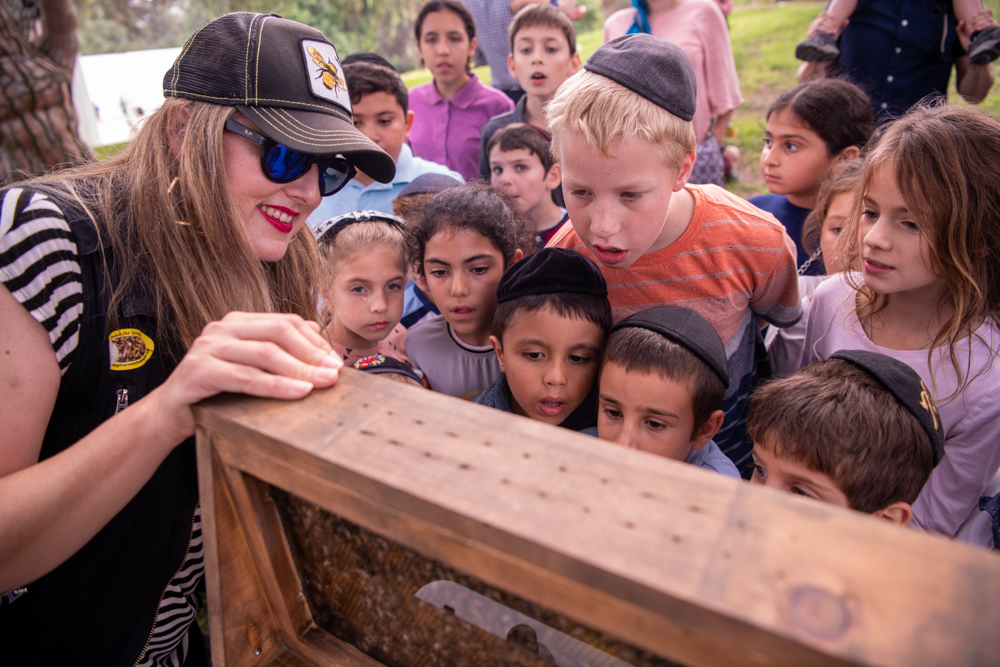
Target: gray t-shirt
[(451, 366)]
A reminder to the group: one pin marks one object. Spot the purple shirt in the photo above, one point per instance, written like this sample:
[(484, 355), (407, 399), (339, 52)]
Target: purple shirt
[(447, 131)]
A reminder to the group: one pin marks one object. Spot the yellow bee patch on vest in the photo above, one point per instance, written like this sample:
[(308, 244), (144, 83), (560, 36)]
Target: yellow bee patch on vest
[(130, 348)]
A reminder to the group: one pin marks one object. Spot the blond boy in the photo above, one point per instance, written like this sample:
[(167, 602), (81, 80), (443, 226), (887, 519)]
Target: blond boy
[(622, 134)]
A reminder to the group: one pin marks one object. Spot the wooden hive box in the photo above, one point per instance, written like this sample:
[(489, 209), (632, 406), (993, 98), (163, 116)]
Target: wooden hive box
[(322, 517)]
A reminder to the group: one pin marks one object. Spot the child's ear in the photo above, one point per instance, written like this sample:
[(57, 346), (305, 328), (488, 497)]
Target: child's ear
[(510, 65), (574, 63), (409, 124), (685, 173), (848, 154), (898, 513), (708, 430), (518, 256), (498, 348), (554, 177)]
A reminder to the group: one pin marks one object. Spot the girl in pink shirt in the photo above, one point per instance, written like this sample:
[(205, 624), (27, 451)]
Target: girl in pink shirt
[(451, 110)]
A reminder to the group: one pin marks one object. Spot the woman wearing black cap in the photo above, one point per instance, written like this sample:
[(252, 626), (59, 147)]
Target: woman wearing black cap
[(117, 285)]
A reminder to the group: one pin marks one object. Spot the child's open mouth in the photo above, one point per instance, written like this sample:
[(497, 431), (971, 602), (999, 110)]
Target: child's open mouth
[(551, 407), (609, 255)]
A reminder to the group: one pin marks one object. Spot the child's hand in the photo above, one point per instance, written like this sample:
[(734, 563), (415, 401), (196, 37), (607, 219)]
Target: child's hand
[(982, 21)]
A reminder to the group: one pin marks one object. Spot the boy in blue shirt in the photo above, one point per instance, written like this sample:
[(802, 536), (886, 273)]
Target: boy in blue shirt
[(548, 333), (663, 379), (380, 108)]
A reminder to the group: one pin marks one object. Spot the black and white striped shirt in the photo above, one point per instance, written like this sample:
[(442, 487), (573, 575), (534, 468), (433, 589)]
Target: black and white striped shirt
[(38, 265)]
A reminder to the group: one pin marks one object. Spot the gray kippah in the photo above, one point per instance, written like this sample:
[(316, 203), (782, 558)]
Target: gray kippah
[(649, 66)]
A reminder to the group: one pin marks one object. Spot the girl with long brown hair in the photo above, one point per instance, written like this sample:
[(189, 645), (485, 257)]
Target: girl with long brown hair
[(118, 282), (922, 247)]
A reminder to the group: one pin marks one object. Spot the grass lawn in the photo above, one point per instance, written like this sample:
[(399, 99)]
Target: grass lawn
[(764, 35)]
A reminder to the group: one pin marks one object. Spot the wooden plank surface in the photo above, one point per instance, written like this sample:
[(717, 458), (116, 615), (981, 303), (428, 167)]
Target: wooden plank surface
[(700, 568)]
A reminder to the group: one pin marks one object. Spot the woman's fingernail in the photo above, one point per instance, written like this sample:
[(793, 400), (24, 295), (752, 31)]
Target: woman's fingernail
[(326, 374), (300, 386), (332, 360)]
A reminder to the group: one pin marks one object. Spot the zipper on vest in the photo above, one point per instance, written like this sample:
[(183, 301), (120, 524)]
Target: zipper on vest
[(121, 399), (187, 552)]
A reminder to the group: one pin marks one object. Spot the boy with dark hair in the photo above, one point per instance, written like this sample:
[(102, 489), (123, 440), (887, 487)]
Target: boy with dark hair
[(381, 111), (548, 333), (521, 165), (663, 379), (621, 129), (858, 430), (542, 56)]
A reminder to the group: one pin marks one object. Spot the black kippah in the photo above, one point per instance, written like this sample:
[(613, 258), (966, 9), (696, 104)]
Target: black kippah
[(551, 271), (654, 68), (685, 327), (427, 183), (906, 386)]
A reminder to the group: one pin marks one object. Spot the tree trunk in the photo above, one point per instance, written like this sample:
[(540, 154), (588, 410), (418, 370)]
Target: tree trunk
[(38, 125)]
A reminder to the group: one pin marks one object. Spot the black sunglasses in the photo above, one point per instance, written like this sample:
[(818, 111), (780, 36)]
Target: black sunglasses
[(282, 164)]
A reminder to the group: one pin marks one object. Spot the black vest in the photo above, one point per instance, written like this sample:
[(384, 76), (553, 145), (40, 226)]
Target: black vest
[(98, 607)]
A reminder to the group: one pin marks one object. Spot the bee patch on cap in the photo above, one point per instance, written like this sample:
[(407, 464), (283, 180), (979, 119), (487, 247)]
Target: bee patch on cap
[(129, 348), (326, 78)]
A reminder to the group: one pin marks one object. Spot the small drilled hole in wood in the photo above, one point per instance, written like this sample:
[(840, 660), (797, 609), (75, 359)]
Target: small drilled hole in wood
[(450, 434), (604, 480), (429, 455), (396, 442), (629, 525), (487, 443), (527, 455), (725, 554), (741, 524), (695, 509), (586, 510), (676, 539), (364, 432), (505, 481), (542, 494), (647, 494), (418, 422), (464, 466), (562, 468)]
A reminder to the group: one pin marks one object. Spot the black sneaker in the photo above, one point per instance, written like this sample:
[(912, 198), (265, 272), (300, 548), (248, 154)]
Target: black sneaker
[(985, 46), (819, 47)]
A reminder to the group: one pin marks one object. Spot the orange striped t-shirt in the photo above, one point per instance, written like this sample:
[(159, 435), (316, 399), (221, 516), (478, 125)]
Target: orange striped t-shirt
[(732, 260)]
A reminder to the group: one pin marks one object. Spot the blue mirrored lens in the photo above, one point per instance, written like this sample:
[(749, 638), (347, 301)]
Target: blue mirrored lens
[(283, 164)]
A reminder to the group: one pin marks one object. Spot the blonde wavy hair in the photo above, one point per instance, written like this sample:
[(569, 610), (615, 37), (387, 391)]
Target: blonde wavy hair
[(946, 164), (359, 237), (607, 113), (183, 241)]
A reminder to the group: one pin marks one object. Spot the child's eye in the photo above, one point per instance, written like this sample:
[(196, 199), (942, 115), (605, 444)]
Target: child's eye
[(385, 122), (631, 196), (792, 146), (497, 171), (798, 490), (521, 167), (837, 230), (438, 273), (393, 287), (578, 359), (357, 289), (534, 356), (911, 226), (579, 193), (655, 425), (552, 49), (525, 50), (479, 270), (612, 413), (768, 142), (759, 471), (869, 214)]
